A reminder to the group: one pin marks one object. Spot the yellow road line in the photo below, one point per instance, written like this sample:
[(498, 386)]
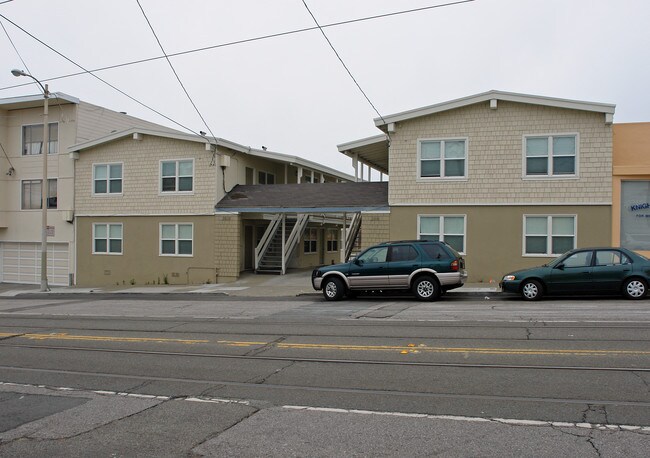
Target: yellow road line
[(64, 336)]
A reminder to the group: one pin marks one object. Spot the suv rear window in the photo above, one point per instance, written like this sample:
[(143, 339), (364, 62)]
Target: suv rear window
[(435, 251)]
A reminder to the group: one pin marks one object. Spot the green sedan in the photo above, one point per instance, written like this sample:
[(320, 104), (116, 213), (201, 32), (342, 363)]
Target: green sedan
[(584, 271)]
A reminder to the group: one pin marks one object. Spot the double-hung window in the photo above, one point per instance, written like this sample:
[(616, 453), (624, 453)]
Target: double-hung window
[(551, 155), (33, 139), (332, 240), (107, 178), (177, 175), (32, 194), (549, 235), (446, 228), (310, 241), (265, 178), (176, 239), (107, 238), (442, 158)]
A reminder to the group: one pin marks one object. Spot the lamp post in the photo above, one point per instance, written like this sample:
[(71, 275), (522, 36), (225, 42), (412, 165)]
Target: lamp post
[(44, 184)]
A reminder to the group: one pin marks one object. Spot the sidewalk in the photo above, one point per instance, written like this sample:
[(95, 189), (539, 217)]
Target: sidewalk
[(294, 283)]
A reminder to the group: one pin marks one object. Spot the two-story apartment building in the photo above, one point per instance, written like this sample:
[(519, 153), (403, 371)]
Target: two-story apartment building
[(145, 208), (71, 121), (509, 180)]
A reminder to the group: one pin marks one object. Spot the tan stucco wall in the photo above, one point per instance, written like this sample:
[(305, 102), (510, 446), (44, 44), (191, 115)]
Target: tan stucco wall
[(140, 262), (495, 156), (631, 161), (494, 237)]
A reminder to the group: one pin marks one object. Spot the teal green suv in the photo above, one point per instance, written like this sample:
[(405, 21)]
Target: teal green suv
[(584, 271), (427, 268)]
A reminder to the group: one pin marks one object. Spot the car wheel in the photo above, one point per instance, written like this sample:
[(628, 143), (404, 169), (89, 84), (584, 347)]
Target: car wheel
[(531, 290), (426, 289), (333, 289), (635, 288)]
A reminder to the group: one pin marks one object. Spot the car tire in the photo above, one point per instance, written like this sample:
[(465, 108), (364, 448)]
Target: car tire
[(426, 288), (635, 288), (531, 290), (333, 289)]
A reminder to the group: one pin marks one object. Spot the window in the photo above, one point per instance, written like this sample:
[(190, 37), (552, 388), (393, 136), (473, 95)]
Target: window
[(550, 156), (375, 254), (581, 259), (442, 158), (31, 194), (265, 178), (635, 215), (107, 238), (403, 253), (310, 241), (332, 240), (176, 239), (549, 235), (449, 229), (107, 178), (33, 139), (177, 176), (611, 258)]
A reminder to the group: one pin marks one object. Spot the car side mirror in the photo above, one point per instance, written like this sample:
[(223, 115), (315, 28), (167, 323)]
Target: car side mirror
[(357, 261), (560, 266)]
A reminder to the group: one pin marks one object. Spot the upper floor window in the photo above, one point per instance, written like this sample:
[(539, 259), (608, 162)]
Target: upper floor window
[(33, 139), (448, 229), (32, 194), (107, 238), (107, 178), (442, 158), (551, 155), (549, 235), (265, 178), (176, 239), (177, 175)]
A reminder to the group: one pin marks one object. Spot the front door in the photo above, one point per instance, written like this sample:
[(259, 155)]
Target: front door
[(573, 275), (370, 269)]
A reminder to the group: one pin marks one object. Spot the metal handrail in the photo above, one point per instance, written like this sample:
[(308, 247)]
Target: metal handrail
[(294, 238), (265, 241)]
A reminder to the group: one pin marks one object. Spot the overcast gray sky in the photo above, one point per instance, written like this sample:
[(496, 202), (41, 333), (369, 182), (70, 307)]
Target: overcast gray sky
[(291, 93)]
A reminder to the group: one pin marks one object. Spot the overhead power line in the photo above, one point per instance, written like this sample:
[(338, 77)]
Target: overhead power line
[(237, 42)]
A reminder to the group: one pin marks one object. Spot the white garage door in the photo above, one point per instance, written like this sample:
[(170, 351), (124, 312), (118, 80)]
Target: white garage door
[(20, 262)]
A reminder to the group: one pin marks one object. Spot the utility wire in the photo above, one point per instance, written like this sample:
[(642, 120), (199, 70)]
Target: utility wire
[(174, 70), (237, 42), (342, 63), (14, 46)]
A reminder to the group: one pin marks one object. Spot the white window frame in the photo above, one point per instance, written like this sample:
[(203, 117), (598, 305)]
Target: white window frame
[(332, 235), (441, 236), (308, 238), (177, 177), (176, 240), (108, 180), (108, 239), (40, 194), (549, 234), (442, 176), (50, 150), (549, 164)]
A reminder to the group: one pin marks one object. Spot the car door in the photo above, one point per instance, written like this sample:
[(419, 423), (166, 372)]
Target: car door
[(402, 261), (572, 275), (370, 269), (609, 270)]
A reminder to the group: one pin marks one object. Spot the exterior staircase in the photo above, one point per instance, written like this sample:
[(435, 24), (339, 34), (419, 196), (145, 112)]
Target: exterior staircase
[(269, 256)]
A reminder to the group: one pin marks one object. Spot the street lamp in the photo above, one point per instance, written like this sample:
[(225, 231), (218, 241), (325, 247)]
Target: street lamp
[(44, 184)]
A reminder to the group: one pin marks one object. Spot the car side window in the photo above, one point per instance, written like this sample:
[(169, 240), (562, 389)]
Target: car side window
[(581, 259), (610, 258), (377, 254), (435, 251), (400, 253)]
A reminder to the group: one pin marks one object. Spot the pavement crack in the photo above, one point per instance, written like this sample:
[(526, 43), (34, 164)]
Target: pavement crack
[(245, 417), (644, 381), (12, 336), (528, 333), (590, 441), (263, 379), (262, 349)]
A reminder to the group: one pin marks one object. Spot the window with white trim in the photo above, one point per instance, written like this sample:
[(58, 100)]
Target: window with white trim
[(176, 239), (107, 238), (265, 178), (31, 196), (33, 139), (310, 241), (446, 228), (107, 178), (549, 235), (332, 237), (177, 176), (442, 158), (550, 155)]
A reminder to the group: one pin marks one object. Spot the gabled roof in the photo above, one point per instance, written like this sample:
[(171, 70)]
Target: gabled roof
[(306, 198), (35, 101), (496, 95), (174, 134)]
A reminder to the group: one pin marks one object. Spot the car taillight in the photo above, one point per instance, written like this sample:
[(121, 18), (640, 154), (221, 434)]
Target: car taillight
[(454, 265)]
